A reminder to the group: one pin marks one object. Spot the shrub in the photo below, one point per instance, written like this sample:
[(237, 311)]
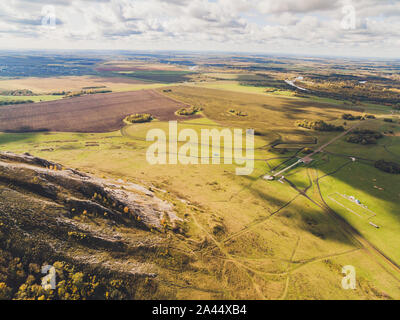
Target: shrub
[(350, 117), (364, 137), (77, 235), (59, 93), (389, 167), (319, 125), (10, 102), (83, 92), (282, 151), (188, 111), (5, 292), (238, 113), (377, 134), (139, 118)]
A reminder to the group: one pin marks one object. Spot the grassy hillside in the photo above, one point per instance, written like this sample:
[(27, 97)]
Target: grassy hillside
[(259, 239)]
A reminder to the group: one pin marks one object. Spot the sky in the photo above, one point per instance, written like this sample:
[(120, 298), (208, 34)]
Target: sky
[(354, 28)]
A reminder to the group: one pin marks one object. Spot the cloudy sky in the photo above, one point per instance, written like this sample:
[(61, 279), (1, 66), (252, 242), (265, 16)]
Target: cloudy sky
[(329, 27)]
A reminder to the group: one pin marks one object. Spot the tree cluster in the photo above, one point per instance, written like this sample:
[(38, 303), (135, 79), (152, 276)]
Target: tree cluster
[(364, 137), (17, 93), (139, 118), (11, 102), (318, 125)]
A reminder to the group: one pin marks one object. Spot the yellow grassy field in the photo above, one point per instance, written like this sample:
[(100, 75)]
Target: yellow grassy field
[(139, 65)]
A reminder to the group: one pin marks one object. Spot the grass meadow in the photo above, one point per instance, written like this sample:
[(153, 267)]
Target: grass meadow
[(260, 239)]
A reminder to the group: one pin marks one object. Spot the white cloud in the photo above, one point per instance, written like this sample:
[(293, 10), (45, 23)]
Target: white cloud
[(307, 26)]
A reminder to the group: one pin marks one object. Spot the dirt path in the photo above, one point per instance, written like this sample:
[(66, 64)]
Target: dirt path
[(321, 148), (102, 112), (230, 257)]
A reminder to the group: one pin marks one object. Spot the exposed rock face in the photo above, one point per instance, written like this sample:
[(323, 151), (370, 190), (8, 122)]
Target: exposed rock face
[(49, 213)]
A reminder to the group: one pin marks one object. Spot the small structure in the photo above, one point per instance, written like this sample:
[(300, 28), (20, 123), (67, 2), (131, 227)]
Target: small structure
[(306, 160), (288, 168), (268, 177), (374, 225)]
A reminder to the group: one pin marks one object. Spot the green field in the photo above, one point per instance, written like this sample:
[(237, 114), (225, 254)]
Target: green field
[(237, 87)]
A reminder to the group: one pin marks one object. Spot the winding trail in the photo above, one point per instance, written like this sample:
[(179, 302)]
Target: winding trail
[(386, 147)]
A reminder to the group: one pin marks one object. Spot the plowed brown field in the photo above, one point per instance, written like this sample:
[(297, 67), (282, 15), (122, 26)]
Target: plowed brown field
[(91, 113)]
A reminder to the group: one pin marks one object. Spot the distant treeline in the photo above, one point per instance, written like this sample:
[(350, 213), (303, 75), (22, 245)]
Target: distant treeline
[(318, 125), (10, 102), (355, 92), (264, 80), (336, 77), (188, 111), (350, 117), (364, 137), (84, 92), (139, 118), (238, 113)]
